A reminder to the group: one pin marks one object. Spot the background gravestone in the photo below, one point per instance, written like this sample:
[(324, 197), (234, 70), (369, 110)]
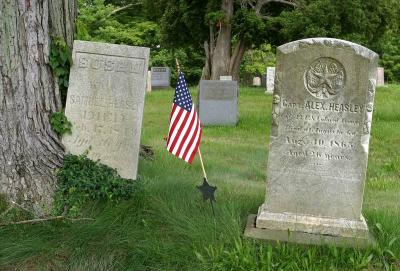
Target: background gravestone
[(380, 77), (256, 81), (160, 77), (148, 81), (321, 121), (105, 103), (270, 79), (218, 102), (225, 78)]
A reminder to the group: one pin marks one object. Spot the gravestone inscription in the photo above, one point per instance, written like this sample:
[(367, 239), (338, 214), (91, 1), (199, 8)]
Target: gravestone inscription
[(105, 103), (321, 121), (160, 77), (218, 102), (225, 78)]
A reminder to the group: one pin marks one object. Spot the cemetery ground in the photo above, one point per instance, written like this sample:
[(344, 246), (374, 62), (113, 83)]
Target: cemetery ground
[(167, 226)]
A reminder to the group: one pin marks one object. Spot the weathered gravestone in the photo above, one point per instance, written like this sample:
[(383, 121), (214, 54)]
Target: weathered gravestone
[(380, 77), (321, 122), (105, 103), (225, 78), (160, 77), (270, 79), (218, 102)]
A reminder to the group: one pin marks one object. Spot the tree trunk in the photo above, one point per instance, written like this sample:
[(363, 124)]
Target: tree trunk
[(222, 53), (30, 151), (236, 59)]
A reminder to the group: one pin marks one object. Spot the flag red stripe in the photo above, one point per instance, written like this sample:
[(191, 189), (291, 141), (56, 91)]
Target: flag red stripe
[(182, 125), (171, 130), (190, 143), (196, 148), (189, 129)]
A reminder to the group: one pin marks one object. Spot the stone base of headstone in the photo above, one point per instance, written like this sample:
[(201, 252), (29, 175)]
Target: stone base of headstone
[(269, 92), (309, 230)]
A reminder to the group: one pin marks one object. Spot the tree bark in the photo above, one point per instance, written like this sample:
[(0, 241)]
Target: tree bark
[(222, 52), (236, 59), (30, 151)]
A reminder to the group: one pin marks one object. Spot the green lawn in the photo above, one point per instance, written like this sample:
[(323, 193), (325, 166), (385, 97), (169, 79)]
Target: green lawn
[(171, 228)]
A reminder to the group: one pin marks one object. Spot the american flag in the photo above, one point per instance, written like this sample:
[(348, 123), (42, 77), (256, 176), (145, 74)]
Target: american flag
[(184, 127)]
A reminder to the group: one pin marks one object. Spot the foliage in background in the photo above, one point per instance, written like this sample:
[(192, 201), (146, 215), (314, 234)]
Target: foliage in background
[(60, 123), (256, 61), (390, 59), (60, 61), (128, 22), (81, 180)]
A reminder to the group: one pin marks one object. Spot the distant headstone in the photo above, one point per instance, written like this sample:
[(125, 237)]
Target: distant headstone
[(380, 82), (148, 83), (264, 80), (318, 152), (160, 77), (225, 78), (256, 81), (105, 103), (218, 102), (270, 79)]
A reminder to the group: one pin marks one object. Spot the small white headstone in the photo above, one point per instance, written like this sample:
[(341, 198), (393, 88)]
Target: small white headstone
[(270, 79), (148, 88), (380, 82), (225, 78), (256, 81)]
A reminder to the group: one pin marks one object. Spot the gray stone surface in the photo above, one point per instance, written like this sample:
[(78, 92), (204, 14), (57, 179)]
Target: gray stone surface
[(225, 78), (300, 237), (218, 102), (160, 77), (270, 79), (105, 103), (380, 79), (321, 120)]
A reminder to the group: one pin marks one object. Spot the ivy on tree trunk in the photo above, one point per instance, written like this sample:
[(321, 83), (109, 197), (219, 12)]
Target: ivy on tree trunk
[(30, 151)]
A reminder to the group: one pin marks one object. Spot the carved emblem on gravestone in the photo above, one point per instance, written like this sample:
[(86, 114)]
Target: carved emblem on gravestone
[(324, 78)]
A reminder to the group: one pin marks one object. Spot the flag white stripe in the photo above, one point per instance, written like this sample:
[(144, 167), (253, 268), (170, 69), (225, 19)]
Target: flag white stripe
[(177, 127), (192, 146), (190, 136), (187, 124), (173, 117)]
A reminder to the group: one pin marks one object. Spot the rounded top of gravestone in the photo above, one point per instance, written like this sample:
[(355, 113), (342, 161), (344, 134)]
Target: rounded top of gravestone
[(327, 42)]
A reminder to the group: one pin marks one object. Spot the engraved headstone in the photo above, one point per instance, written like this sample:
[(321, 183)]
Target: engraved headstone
[(321, 122), (380, 77), (256, 81), (218, 102), (270, 79), (225, 78), (160, 77), (105, 103)]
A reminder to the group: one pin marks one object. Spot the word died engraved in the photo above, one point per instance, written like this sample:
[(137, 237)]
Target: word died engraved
[(324, 78)]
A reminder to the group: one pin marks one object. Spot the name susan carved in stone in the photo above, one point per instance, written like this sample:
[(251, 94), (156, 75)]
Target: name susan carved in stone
[(324, 78)]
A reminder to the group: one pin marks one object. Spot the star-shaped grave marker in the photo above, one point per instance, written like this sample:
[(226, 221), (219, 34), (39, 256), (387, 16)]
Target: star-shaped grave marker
[(208, 192)]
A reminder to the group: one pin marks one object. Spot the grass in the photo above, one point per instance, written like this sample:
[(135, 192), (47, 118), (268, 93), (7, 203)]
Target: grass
[(171, 228)]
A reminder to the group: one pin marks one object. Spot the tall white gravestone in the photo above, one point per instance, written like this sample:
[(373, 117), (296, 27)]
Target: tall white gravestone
[(270, 79), (380, 78), (105, 103), (321, 121)]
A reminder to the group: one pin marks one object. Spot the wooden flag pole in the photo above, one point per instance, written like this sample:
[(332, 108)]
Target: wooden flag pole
[(200, 156)]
